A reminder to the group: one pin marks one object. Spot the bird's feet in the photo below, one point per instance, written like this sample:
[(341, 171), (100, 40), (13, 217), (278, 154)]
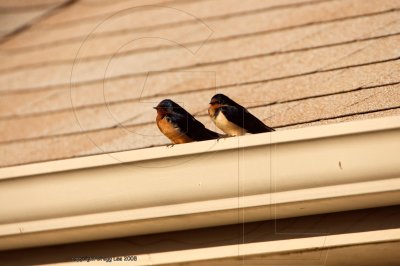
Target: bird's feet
[(222, 136), (170, 145)]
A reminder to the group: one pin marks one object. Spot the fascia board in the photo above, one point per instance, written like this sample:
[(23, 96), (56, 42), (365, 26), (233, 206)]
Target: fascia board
[(220, 255)]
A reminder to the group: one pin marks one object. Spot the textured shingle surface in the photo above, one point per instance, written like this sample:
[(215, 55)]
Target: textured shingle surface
[(83, 79), (15, 15)]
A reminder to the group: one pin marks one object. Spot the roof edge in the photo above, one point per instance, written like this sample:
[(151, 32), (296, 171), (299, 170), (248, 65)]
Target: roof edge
[(276, 137), (267, 176)]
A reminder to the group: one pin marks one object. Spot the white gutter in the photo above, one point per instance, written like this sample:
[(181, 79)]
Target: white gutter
[(276, 175)]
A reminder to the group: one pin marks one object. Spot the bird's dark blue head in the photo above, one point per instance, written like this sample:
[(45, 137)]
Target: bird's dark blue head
[(221, 99), (168, 106)]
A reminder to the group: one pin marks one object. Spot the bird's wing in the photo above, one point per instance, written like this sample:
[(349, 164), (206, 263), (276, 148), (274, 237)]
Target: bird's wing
[(243, 118), (234, 114), (253, 125), (192, 127)]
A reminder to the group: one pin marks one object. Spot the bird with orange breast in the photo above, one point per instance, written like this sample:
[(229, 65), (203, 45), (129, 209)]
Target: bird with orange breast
[(180, 126), (234, 119)]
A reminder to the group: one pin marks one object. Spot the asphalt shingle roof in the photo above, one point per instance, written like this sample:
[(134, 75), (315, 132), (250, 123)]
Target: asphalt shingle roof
[(82, 79)]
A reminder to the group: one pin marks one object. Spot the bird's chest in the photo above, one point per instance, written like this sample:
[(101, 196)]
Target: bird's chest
[(171, 131), (227, 126)]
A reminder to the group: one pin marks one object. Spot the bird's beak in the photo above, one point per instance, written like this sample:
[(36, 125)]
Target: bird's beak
[(155, 107)]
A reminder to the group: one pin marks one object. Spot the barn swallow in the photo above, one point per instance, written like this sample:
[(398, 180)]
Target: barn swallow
[(234, 119), (180, 126)]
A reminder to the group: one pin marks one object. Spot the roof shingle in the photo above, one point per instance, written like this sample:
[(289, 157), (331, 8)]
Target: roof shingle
[(294, 63)]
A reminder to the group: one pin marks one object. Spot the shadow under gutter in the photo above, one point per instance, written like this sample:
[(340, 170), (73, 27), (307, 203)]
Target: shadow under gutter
[(290, 173)]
